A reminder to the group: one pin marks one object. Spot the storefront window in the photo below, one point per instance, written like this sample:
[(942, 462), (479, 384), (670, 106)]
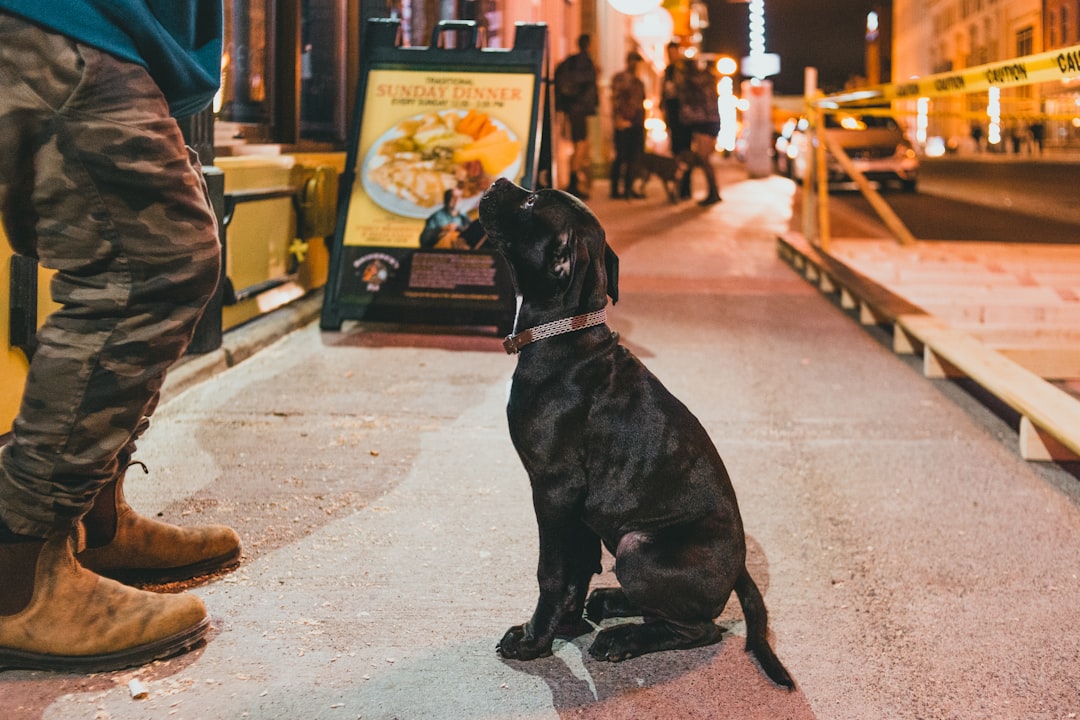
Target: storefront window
[(284, 67), (264, 46), (322, 70), (246, 76)]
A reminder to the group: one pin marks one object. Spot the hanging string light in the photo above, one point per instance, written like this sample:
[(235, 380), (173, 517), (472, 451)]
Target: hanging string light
[(757, 28), (759, 64)]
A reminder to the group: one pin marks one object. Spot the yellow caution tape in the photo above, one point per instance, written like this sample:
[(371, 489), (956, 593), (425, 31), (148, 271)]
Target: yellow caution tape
[(1049, 66)]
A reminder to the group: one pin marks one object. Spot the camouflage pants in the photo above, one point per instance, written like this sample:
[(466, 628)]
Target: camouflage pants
[(96, 182)]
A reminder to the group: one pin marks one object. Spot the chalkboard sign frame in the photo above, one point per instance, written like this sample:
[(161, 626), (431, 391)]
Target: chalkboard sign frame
[(378, 270)]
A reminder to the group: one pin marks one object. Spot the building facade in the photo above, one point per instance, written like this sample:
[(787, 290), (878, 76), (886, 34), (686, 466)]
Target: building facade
[(1061, 102), (937, 36)]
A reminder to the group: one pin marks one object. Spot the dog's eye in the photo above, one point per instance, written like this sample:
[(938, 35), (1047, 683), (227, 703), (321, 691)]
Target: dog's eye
[(529, 202)]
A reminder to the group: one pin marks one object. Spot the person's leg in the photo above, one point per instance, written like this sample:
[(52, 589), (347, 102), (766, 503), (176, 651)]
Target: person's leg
[(680, 144), (635, 151), (571, 127), (95, 182), (583, 154), (618, 166), (704, 149), (580, 180), (116, 208)]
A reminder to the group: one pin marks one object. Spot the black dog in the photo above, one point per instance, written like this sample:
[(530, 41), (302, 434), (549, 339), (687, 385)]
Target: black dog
[(612, 456), (670, 170)]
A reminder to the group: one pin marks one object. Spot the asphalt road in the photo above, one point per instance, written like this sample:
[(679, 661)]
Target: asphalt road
[(977, 198), (1043, 187)]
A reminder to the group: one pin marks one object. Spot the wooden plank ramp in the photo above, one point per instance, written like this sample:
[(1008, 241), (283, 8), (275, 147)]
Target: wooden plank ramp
[(1006, 316)]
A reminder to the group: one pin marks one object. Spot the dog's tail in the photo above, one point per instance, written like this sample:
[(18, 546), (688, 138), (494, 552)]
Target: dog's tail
[(757, 630)]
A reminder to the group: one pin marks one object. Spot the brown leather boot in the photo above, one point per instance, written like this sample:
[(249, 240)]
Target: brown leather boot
[(125, 546), (76, 621)]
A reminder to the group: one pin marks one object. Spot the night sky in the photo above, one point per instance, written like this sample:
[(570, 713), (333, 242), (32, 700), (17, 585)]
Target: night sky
[(826, 34)]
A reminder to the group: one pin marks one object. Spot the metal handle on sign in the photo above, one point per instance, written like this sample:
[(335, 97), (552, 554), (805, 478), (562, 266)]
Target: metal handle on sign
[(468, 27)]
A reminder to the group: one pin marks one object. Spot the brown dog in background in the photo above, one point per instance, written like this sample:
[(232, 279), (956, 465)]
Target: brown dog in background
[(612, 457), (670, 171)]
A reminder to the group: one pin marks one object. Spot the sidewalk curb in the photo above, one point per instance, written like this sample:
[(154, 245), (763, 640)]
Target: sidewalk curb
[(240, 343)]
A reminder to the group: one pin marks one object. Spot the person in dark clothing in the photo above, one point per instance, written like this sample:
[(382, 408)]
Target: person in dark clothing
[(699, 113), (577, 97), (628, 121), (678, 133), (1038, 137)]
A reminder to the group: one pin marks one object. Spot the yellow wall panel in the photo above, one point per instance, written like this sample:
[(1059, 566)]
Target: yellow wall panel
[(13, 364), (258, 250)]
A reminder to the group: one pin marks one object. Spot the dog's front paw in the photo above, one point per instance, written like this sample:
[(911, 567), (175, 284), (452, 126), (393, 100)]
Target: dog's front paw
[(519, 644)]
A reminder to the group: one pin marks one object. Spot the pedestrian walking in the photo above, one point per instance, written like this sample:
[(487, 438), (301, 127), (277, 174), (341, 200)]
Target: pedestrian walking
[(1038, 137), (699, 112), (678, 133), (97, 184), (976, 136), (577, 98), (628, 123)]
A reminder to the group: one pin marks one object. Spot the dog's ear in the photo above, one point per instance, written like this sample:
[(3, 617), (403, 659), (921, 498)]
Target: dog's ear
[(562, 256), (611, 268)]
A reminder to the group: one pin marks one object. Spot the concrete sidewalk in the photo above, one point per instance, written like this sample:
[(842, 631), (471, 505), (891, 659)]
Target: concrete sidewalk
[(913, 565)]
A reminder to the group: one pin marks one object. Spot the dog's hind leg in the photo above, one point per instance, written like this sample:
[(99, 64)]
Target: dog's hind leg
[(610, 602), (681, 572), (678, 578), (632, 639)]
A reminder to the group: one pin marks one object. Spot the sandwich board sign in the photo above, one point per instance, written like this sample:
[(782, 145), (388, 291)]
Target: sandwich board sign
[(434, 128)]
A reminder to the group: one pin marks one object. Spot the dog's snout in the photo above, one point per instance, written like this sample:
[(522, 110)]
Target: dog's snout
[(492, 210), (497, 204)]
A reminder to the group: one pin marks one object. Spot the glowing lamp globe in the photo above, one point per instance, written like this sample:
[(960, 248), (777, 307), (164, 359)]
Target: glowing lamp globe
[(653, 26), (635, 7), (726, 66)]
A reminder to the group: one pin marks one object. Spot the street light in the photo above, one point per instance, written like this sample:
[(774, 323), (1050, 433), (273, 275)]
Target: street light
[(726, 103), (759, 64), (757, 92), (873, 51), (726, 65)]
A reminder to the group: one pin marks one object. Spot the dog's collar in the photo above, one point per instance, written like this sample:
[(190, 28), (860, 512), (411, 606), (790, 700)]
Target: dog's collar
[(513, 343)]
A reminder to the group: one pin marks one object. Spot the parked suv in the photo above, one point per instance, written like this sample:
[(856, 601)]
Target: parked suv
[(875, 144)]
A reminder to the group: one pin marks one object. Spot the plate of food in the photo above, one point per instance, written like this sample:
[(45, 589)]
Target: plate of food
[(408, 169)]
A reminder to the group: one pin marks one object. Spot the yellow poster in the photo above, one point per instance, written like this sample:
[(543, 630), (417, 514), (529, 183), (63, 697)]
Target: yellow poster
[(429, 139)]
